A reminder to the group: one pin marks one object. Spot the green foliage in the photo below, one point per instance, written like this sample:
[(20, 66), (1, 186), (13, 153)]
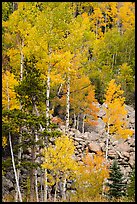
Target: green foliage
[(31, 88), (82, 40), (131, 186), (117, 187), (6, 10)]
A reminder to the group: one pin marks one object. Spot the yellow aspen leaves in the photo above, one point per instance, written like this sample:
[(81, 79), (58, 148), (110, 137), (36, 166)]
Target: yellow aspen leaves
[(8, 92), (115, 117)]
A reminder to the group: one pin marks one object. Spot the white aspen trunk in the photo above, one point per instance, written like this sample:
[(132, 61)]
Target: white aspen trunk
[(32, 175), (106, 148), (77, 121), (55, 195), (96, 28), (59, 90), (67, 103), (64, 189), (47, 96), (19, 161), (116, 58), (21, 62), (113, 61), (83, 124), (45, 186), (20, 136), (107, 141), (11, 149), (105, 23), (41, 189), (14, 168), (118, 21), (36, 186), (47, 122), (36, 179)]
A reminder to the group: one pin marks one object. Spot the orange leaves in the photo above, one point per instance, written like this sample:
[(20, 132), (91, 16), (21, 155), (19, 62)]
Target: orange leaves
[(91, 175), (97, 163)]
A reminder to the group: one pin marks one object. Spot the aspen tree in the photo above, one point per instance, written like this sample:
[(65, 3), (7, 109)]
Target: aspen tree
[(115, 118)]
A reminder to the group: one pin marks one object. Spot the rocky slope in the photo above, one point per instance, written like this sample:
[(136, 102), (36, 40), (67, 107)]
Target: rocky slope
[(92, 140)]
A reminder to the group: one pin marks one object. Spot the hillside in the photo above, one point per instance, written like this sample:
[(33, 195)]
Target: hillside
[(68, 101)]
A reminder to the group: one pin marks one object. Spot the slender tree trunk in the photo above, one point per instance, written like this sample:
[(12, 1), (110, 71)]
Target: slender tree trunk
[(36, 186), (107, 141), (107, 148), (67, 103), (113, 58), (41, 189), (36, 179), (32, 173), (47, 96), (77, 121), (83, 124), (96, 28), (11, 149), (105, 23), (55, 195), (14, 168), (45, 186), (64, 189), (19, 161), (37, 150), (47, 122), (20, 136), (118, 21)]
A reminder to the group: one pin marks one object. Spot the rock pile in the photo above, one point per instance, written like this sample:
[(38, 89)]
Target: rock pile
[(93, 140)]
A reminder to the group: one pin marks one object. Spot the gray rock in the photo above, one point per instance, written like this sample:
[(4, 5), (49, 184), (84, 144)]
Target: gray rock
[(93, 136), (126, 154), (94, 147), (100, 127), (101, 113), (6, 183), (112, 153), (123, 147)]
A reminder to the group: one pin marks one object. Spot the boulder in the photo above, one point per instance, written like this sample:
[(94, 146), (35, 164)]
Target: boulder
[(126, 154), (93, 136), (100, 127), (94, 147), (131, 141), (91, 155), (7, 185), (123, 147), (112, 153)]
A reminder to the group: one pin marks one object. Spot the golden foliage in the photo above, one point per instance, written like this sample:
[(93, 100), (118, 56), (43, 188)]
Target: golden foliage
[(90, 176), (8, 92), (115, 118), (4, 141), (59, 158)]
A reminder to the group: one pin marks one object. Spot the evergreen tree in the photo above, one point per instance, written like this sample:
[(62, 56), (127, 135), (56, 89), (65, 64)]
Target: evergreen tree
[(115, 182), (131, 186)]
